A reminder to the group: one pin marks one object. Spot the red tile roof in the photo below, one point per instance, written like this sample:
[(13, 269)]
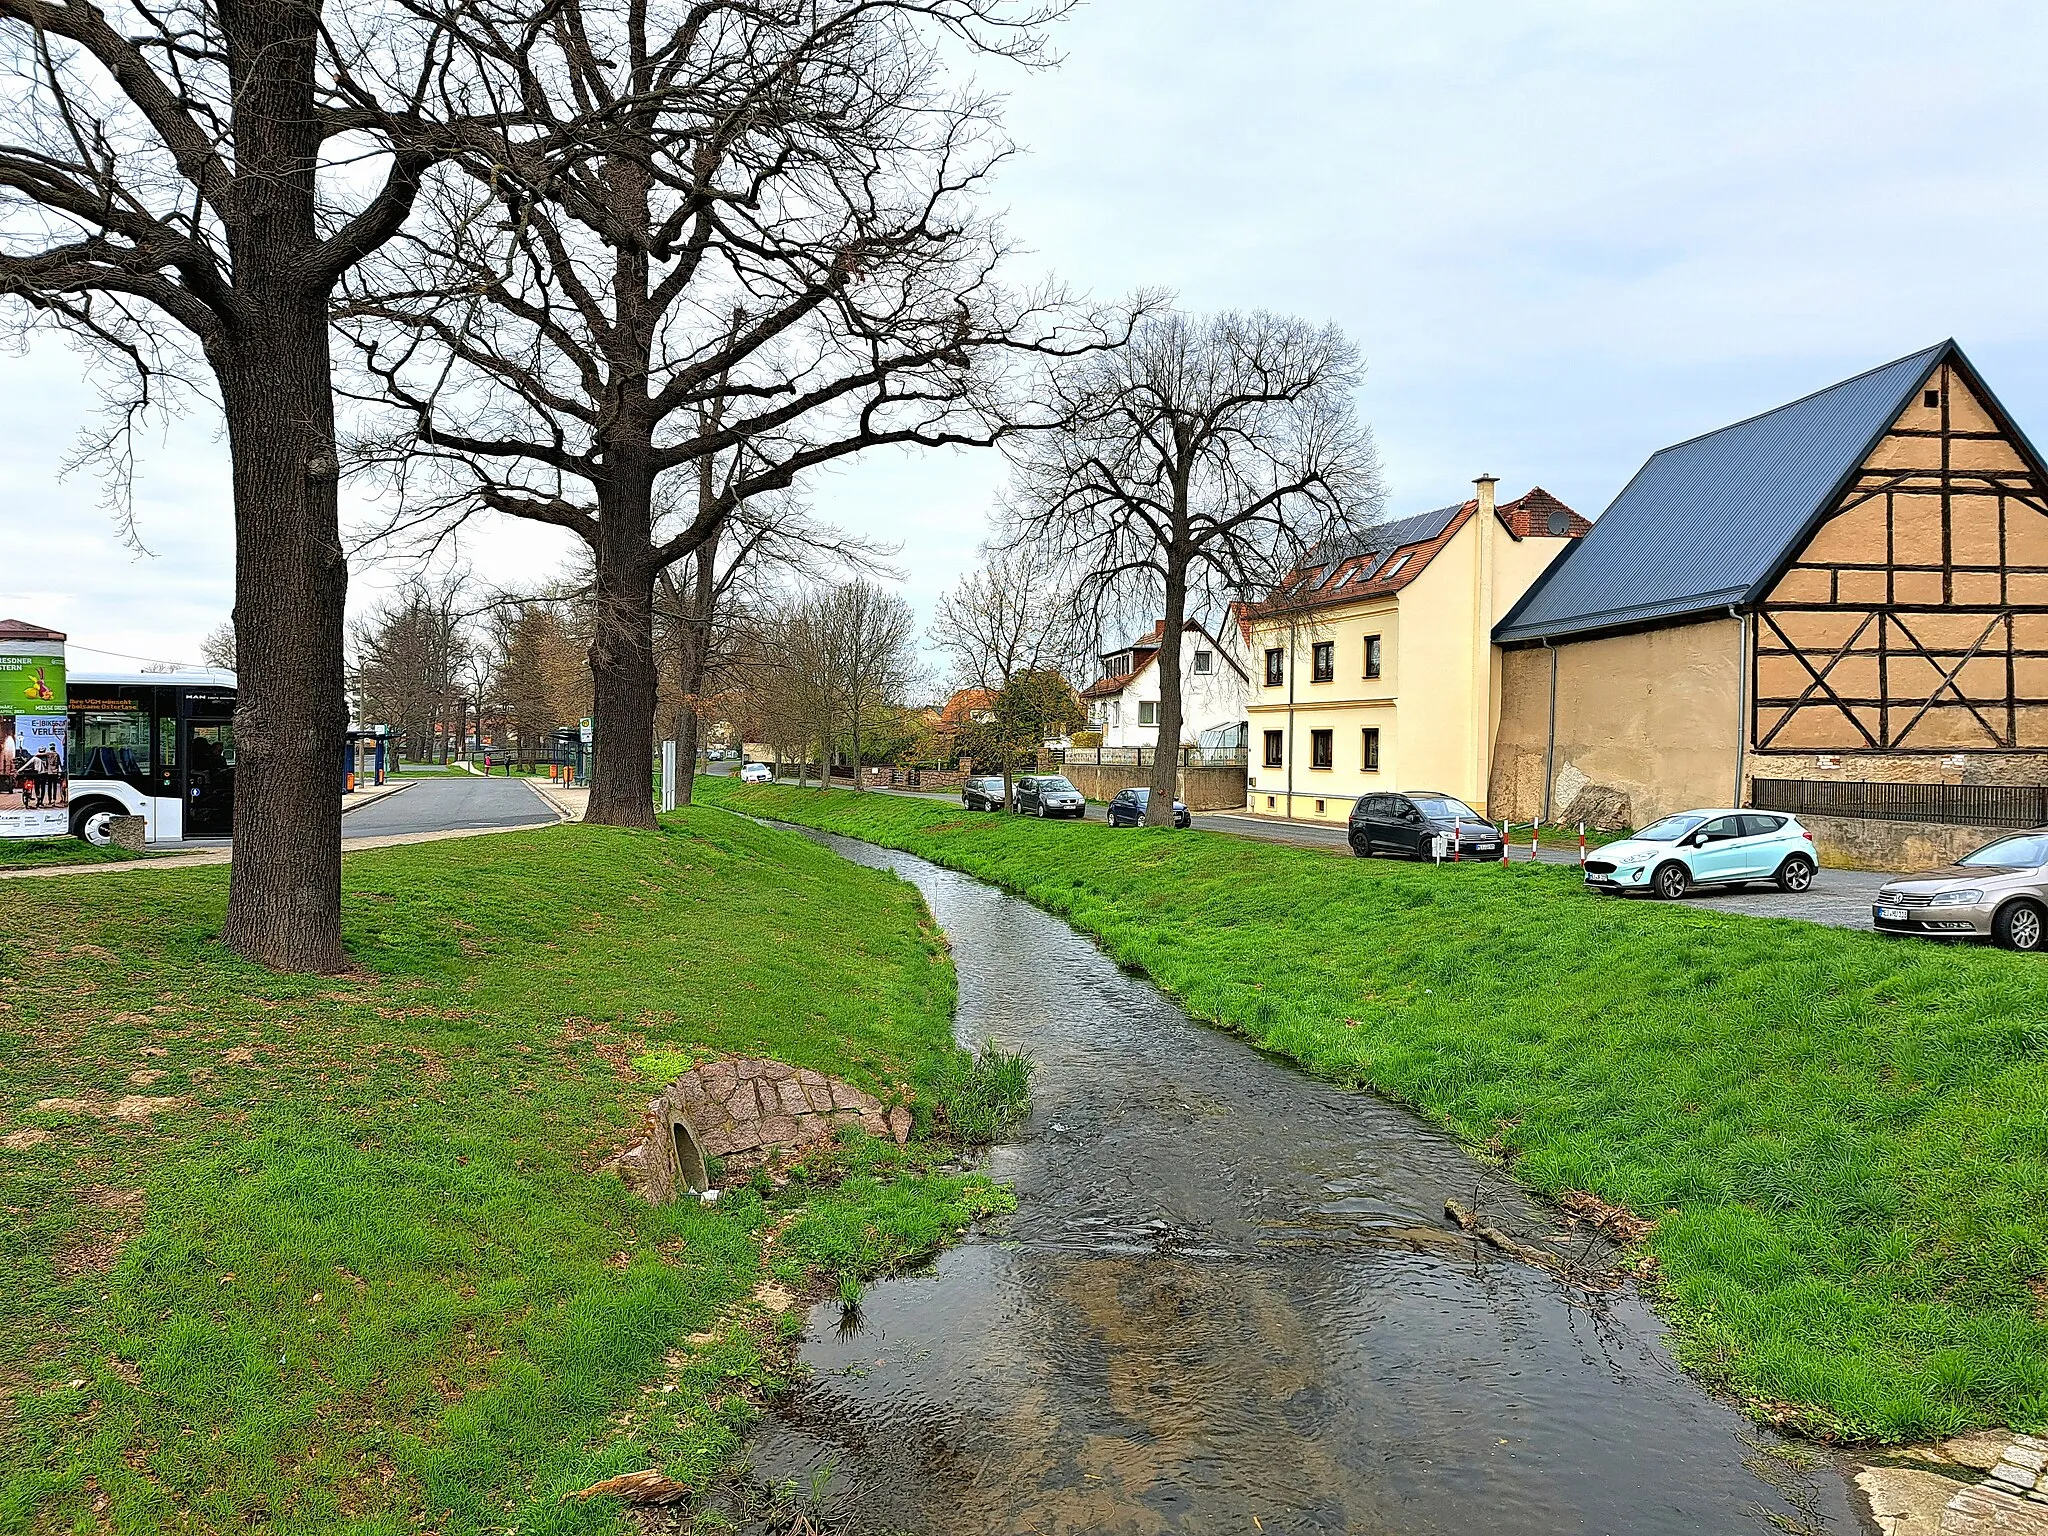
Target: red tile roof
[(17, 629)]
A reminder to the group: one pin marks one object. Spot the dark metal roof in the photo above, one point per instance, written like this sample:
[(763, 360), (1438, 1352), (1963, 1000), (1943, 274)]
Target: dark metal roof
[(1381, 541), (1705, 523)]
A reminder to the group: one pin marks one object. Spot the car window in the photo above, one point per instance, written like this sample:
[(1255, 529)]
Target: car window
[(1372, 805), (1761, 826), (1445, 808), (1722, 828), (1670, 829), (2025, 852), (1054, 783)]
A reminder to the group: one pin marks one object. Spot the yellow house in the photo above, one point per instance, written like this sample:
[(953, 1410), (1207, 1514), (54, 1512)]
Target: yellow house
[(1375, 669)]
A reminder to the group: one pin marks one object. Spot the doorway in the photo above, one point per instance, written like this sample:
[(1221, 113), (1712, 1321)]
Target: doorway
[(209, 778)]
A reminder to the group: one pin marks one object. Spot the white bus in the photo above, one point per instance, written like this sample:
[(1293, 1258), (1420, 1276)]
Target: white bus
[(159, 745)]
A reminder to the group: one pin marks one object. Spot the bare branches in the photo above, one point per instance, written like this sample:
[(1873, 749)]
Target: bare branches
[(1198, 464)]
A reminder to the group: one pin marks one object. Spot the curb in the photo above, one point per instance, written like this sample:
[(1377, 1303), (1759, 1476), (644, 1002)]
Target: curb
[(384, 792)]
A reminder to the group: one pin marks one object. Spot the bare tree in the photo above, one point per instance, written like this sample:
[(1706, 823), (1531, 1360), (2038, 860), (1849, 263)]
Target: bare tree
[(1202, 461), (218, 648), (540, 678), (219, 165), (873, 639), (702, 622), (1011, 616), (412, 652), (770, 251)]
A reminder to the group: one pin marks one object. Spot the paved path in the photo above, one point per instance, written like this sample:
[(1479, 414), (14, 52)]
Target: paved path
[(458, 802)]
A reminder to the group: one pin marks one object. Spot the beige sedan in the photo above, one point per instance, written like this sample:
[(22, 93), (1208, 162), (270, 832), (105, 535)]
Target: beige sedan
[(2000, 892)]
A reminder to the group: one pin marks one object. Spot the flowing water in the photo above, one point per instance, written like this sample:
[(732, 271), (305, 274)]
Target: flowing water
[(1229, 1301)]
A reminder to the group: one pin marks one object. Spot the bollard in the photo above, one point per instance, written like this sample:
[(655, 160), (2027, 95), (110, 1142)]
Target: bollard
[(1535, 837), (1506, 846), (1582, 845)]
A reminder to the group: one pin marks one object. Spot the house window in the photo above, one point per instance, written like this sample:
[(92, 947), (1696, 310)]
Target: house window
[(1269, 802), (1395, 569), (1372, 655), (1931, 399), (1321, 753), (1276, 668), (1148, 711), (1319, 807), (1272, 749), (1205, 663), (1371, 756), (1325, 657)]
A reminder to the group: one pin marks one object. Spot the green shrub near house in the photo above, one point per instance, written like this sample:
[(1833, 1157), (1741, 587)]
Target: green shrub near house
[(1843, 1138), (346, 1259)]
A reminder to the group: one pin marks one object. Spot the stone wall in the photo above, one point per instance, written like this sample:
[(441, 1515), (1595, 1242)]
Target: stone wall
[(1210, 787), (1853, 842)]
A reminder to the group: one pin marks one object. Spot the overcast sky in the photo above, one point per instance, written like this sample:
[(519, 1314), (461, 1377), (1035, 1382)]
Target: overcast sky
[(1563, 235)]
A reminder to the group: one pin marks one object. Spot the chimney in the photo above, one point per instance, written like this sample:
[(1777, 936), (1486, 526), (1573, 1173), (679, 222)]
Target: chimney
[(1486, 483)]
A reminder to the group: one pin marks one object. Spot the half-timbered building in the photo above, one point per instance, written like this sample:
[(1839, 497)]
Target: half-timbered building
[(1838, 607)]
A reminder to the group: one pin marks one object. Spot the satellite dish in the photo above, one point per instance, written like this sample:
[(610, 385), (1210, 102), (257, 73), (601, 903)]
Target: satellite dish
[(1560, 523)]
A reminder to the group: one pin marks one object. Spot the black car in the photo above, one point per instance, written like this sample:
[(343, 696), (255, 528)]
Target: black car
[(983, 794), (1127, 809), (1408, 824), (1047, 794)]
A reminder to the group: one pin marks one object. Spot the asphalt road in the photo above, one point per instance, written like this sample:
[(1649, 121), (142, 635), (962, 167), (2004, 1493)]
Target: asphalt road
[(449, 804)]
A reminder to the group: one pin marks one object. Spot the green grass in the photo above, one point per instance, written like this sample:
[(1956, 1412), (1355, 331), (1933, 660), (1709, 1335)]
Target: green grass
[(46, 852), (365, 1274), (1843, 1138)]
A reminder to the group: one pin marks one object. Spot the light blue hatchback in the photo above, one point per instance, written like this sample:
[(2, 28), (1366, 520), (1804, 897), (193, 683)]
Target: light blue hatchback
[(1696, 848)]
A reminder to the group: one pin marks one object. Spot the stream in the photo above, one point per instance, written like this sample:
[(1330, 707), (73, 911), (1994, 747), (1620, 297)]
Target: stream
[(1229, 1301)]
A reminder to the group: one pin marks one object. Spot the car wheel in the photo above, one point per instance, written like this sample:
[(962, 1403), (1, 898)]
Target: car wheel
[(2020, 926), (1795, 874), (1670, 882), (94, 824)]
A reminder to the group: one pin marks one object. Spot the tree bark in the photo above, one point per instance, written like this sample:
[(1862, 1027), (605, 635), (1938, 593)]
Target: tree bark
[(622, 666), (1166, 755), (696, 662), (291, 577)]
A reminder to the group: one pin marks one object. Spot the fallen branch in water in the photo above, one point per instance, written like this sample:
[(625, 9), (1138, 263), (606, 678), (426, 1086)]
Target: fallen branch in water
[(1467, 1219)]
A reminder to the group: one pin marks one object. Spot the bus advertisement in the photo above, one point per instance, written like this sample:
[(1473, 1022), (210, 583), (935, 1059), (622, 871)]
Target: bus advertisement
[(34, 753)]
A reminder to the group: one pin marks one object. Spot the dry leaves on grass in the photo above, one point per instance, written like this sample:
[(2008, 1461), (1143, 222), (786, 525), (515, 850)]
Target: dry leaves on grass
[(1616, 1222), (649, 1487)]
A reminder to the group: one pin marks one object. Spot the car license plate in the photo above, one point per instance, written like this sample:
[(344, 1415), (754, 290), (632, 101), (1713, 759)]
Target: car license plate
[(1486, 847), (1892, 914)]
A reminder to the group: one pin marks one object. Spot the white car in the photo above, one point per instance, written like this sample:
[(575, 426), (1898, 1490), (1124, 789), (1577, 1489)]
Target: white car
[(757, 773), (1701, 848)]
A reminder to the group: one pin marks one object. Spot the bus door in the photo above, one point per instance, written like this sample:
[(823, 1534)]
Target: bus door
[(209, 778)]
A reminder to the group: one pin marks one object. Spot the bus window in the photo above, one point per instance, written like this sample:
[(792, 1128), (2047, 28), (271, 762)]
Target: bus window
[(112, 744)]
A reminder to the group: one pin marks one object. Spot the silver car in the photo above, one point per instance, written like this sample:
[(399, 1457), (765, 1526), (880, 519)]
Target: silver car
[(1999, 892)]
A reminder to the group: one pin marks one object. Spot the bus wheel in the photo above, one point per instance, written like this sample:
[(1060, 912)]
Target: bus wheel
[(93, 822)]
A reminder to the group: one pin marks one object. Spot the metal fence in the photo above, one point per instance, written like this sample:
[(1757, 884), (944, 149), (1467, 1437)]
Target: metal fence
[(1960, 805), (1143, 757)]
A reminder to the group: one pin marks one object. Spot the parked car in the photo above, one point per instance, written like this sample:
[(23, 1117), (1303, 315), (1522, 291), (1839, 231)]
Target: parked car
[(983, 794), (1127, 809), (2000, 891), (756, 773), (1047, 794), (1408, 824), (1712, 847)]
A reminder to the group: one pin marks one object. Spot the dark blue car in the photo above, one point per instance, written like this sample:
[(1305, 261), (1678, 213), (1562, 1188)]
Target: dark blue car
[(1127, 809)]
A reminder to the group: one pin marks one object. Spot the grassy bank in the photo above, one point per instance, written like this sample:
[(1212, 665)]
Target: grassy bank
[(1843, 1138), (337, 1254), (45, 852)]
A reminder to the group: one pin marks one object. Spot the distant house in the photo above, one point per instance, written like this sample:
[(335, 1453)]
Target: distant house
[(1123, 701), (968, 706), (1373, 663), (1837, 608)]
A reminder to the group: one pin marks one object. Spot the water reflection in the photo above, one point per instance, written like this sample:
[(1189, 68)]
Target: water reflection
[(1229, 1302)]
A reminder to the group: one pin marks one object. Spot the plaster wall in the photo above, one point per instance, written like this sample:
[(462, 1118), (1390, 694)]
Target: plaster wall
[(1650, 718)]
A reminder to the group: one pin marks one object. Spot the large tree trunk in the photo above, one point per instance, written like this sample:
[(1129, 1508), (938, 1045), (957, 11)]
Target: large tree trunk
[(291, 578), (622, 669), (1166, 756)]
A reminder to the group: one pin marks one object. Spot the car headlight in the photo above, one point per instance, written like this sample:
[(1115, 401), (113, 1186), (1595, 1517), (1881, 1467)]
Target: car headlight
[(1957, 899)]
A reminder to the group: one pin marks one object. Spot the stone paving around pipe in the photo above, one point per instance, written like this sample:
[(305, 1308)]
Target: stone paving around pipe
[(1985, 1482)]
